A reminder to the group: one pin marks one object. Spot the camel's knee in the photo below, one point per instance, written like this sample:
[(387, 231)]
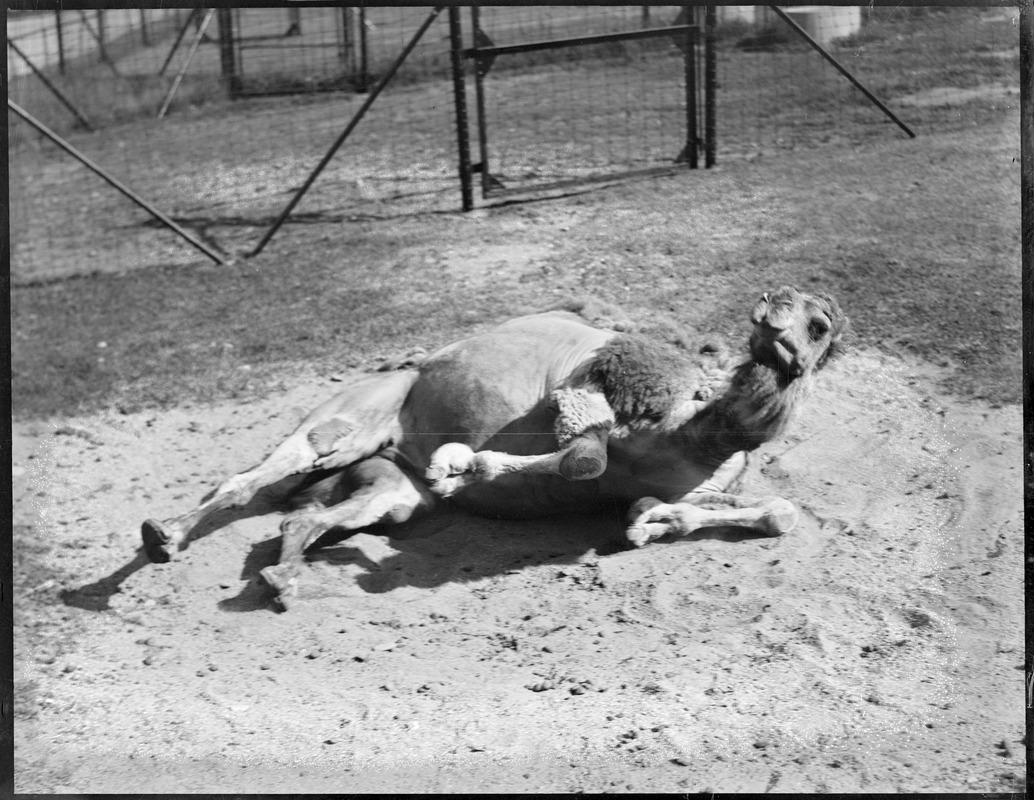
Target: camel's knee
[(586, 458), (234, 493), (579, 411), (301, 528)]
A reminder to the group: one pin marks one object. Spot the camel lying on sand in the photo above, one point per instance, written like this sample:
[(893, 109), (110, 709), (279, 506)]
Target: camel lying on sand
[(541, 415)]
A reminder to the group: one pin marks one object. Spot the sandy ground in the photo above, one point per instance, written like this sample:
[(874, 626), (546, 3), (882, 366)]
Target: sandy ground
[(877, 647)]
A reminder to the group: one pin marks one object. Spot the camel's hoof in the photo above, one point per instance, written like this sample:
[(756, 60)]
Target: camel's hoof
[(780, 517), (284, 581), (641, 506), (158, 542), (447, 487), (452, 458), (645, 532)]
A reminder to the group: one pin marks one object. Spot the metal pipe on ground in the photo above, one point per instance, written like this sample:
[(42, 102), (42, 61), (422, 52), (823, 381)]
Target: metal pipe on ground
[(150, 209), (347, 131)]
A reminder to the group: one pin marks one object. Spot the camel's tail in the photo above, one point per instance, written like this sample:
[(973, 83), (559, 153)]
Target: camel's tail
[(358, 422)]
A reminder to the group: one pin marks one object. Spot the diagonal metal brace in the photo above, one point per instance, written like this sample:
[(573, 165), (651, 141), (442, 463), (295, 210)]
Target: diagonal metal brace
[(348, 130), (150, 209), (822, 51)]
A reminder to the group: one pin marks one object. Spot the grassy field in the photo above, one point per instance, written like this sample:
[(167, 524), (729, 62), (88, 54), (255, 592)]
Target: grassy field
[(918, 239), (827, 194)]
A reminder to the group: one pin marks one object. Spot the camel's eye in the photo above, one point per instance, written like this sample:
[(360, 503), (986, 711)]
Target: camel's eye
[(817, 328)]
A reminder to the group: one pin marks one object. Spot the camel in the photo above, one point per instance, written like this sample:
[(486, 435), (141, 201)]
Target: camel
[(543, 415)]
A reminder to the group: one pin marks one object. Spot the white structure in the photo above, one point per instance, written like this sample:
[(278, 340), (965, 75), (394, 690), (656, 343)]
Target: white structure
[(823, 23)]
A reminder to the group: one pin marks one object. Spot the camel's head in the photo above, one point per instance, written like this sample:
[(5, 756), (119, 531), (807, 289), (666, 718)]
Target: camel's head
[(796, 333)]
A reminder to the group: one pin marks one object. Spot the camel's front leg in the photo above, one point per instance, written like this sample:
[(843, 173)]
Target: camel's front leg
[(582, 425), (651, 519), (455, 466)]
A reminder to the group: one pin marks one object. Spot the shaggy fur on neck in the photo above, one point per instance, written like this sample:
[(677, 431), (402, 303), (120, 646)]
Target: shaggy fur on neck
[(756, 407)]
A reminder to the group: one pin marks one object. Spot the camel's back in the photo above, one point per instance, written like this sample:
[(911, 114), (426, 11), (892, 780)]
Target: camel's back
[(491, 390)]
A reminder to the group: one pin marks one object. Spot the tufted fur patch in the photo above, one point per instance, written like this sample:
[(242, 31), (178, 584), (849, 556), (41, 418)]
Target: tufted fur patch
[(642, 380), (578, 411)]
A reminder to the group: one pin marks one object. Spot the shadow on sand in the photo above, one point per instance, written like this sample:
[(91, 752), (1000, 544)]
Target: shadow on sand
[(96, 596), (449, 546)]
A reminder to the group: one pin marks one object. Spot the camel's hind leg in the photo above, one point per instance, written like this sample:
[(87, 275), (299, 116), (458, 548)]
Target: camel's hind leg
[(383, 493), (355, 424)]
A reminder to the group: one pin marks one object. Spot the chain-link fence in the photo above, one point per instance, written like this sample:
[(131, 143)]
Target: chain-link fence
[(224, 168)]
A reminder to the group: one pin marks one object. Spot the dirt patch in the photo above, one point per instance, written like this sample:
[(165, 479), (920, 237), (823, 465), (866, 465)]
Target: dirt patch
[(506, 260), (874, 648), (954, 96)]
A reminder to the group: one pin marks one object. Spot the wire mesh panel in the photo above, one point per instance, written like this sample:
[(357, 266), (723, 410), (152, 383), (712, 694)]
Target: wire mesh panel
[(224, 168), (295, 49), (935, 68), (582, 110)]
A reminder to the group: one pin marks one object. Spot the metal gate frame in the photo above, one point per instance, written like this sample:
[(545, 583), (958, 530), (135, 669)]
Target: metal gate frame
[(686, 31), (350, 43)]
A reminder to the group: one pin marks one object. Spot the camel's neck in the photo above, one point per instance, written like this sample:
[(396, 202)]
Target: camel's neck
[(756, 407)]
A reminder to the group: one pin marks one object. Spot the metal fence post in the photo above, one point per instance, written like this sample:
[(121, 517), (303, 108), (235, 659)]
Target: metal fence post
[(101, 48), (227, 56), (460, 91), (479, 91), (710, 85), (689, 53), (363, 84), (1027, 287), (60, 43)]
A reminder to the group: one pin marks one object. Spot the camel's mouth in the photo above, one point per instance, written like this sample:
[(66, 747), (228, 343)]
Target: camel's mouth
[(776, 347), (787, 359)]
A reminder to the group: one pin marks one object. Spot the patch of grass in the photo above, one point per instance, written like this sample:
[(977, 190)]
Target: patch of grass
[(894, 229), (173, 334), (918, 240)]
